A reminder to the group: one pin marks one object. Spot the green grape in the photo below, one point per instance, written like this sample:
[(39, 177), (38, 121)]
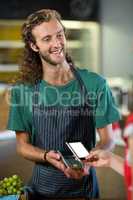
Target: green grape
[(4, 185), (8, 184), (14, 183), (5, 180), (1, 191), (10, 179), (9, 191), (1, 182), (14, 190), (11, 185), (15, 176)]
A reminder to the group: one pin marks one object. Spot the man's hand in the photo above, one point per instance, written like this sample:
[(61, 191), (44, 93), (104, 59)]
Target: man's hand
[(54, 158), (74, 173)]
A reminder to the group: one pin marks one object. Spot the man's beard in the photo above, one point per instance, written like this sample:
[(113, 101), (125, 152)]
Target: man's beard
[(46, 58)]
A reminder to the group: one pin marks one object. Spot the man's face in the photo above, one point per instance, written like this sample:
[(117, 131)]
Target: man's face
[(50, 41)]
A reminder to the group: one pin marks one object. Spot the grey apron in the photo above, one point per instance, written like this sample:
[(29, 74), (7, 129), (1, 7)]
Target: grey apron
[(56, 125)]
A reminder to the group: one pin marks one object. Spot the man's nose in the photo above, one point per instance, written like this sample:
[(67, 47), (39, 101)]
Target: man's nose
[(56, 42)]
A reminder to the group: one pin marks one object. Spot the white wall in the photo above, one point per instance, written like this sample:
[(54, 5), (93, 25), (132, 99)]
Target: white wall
[(117, 37)]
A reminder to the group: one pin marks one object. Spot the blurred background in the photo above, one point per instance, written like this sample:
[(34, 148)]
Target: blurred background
[(100, 38)]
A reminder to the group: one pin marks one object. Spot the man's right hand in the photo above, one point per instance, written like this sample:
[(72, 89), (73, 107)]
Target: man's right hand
[(55, 159)]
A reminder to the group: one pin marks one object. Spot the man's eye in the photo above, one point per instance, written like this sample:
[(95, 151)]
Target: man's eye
[(59, 36), (46, 39)]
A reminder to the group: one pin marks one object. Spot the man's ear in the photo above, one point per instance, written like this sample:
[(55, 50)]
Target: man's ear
[(34, 47)]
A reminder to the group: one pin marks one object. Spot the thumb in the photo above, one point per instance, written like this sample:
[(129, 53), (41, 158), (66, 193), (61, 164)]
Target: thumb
[(54, 155)]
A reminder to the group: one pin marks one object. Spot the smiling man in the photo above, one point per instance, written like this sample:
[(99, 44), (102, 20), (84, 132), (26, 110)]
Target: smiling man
[(50, 42), (54, 103)]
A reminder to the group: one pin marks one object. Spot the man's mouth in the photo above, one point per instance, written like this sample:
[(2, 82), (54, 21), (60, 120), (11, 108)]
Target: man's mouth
[(57, 51)]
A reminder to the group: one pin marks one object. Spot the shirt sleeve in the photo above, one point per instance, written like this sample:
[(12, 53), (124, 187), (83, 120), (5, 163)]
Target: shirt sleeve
[(17, 120), (106, 110)]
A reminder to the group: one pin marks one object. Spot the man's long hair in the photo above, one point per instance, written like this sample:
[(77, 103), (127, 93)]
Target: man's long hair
[(31, 67)]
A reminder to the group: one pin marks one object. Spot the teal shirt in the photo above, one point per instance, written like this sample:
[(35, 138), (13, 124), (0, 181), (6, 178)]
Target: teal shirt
[(98, 91)]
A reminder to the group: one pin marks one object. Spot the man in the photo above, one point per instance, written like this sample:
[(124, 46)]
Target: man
[(57, 103)]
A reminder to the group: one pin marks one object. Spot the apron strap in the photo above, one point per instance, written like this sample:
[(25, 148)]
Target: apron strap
[(81, 83), (86, 100)]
